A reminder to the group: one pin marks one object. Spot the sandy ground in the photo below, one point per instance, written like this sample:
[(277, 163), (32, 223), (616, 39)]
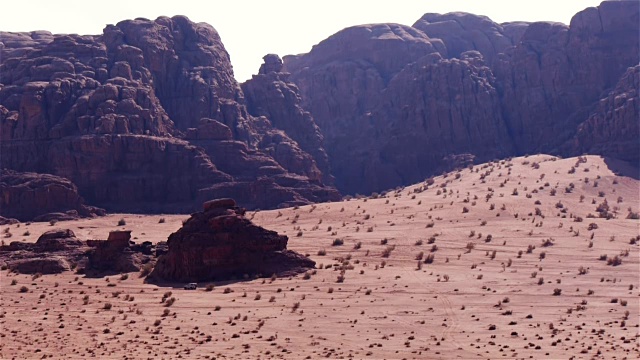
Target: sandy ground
[(483, 296)]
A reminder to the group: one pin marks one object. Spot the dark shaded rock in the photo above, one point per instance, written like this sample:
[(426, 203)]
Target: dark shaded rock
[(219, 243), (461, 32), (612, 128), (41, 197), (550, 79), (116, 254), (393, 104), (219, 204), (380, 134), (272, 95), (272, 63), (45, 265), (8, 221), (59, 250)]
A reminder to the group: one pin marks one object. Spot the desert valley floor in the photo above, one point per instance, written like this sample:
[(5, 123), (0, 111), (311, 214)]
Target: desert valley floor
[(509, 260)]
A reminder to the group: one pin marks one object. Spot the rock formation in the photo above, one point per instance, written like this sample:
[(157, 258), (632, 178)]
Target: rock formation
[(394, 102), (41, 197), (219, 242), (143, 118), (272, 95), (59, 250), (118, 253), (55, 251), (148, 117), (612, 128)]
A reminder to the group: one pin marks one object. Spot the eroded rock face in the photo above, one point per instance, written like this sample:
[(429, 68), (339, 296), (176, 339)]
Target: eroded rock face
[(552, 78), (461, 32), (393, 119), (612, 128), (108, 112), (219, 243), (393, 103), (44, 197), (271, 94)]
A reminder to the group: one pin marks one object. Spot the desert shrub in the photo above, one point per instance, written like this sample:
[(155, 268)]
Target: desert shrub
[(429, 259), (633, 215), (387, 251), (161, 221), (557, 292), (614, 261), (322, 252), (122, 222), (337, 242)]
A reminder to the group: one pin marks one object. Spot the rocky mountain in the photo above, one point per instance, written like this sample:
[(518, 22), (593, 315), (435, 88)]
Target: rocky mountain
[(396, 103), (147, 117)]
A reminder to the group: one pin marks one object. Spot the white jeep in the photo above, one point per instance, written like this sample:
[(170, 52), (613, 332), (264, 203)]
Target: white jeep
[(191, 286)]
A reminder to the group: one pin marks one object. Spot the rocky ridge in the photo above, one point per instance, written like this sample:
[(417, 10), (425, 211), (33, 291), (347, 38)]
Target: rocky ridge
[(145, 117)]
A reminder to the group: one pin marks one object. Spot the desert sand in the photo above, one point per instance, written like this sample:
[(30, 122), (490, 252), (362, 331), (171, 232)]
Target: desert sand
[(504, 260)]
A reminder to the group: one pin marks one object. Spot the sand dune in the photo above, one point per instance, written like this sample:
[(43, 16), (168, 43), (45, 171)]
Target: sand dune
[(508, 260)]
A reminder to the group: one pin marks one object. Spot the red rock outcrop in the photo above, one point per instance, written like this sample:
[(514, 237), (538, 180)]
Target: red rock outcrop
[(220, 243), (118, 254), (29, 196), (108, 113), (59, 250), (55, 251)]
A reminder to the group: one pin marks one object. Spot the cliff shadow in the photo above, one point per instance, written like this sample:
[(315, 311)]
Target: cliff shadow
[(623, 168)]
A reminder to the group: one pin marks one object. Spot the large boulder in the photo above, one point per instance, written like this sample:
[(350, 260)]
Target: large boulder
[(57, 240), (219, 243)]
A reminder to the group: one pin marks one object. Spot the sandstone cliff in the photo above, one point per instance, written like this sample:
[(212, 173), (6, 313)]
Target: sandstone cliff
[(144, 117), (394, 102)]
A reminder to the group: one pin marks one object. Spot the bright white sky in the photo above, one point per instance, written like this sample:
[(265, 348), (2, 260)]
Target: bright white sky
[(252, 28)]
